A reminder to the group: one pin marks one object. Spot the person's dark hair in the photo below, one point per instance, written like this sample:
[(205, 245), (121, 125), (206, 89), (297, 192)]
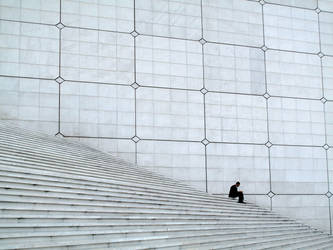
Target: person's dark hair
[(238, 183)]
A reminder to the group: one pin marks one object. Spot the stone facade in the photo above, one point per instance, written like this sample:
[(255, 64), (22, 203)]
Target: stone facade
[(205, 91)]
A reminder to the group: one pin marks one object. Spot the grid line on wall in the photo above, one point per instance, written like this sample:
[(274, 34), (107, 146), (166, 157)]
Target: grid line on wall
[(172, 37), (27, 22), (135, 138), (205, 142), (330, 214)]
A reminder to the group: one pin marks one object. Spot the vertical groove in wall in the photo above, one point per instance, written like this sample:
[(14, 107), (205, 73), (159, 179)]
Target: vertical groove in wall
[(134, 54), (205, 134), (329, 214), (265, 68), (327, 171), (321, 60), (324, 111), (201, 17), (325, 126), (59, 110), (204, 94), (267, 106), (269, 169), (59, 71), (322, 78), (60, 11), (135, 115), (135, 81), (267, 120), (263, 24), (265, 73), (134, 15), (135, 127), (264, 44)]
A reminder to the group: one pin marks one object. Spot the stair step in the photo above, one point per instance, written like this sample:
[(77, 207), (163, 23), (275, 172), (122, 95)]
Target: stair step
[(284, 245), (70, 211), (69, 192), (101, 183), (100, 217), (42, 226), (161, 232), (149, 240), (309, 244), (253, 243), (61, 198)]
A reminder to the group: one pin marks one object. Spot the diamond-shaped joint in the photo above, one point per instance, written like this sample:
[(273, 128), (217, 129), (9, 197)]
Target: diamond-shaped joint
[(323, 100), (320, 54), (205, 142), (326, 147), (135, 139), (134, 33), (135, 85), (60, 25), (266, 95), (329, 194), (202, 41), (270, 194), (318, 10), (264, 48), (268, 144), (59, 79), (203, 91)]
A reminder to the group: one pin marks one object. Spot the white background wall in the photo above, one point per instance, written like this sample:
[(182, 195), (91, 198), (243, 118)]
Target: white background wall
[(205, 91)]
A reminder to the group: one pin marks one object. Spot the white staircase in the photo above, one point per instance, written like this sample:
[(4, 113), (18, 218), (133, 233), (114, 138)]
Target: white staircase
[(59, 194)]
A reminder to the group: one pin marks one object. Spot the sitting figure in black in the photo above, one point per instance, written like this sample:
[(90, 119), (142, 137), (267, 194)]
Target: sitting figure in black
[(233, 193)]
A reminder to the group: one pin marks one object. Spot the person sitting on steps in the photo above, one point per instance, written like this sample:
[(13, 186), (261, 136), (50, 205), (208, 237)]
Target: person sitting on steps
[(233, 193)]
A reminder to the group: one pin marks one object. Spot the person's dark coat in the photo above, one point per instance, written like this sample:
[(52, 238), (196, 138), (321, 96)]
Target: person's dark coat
[(233, 191)]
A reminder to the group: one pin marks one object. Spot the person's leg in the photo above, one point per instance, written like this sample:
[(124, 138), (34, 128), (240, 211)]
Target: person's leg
[(240, 197)]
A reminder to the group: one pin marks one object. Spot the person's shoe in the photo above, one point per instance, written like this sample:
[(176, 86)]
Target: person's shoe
[(242, 202)]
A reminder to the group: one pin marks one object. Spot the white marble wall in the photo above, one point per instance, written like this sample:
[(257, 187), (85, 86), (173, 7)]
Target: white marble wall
[(205, 91)]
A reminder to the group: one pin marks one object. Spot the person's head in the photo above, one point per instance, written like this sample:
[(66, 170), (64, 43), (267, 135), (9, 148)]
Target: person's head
[(237, 184)]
